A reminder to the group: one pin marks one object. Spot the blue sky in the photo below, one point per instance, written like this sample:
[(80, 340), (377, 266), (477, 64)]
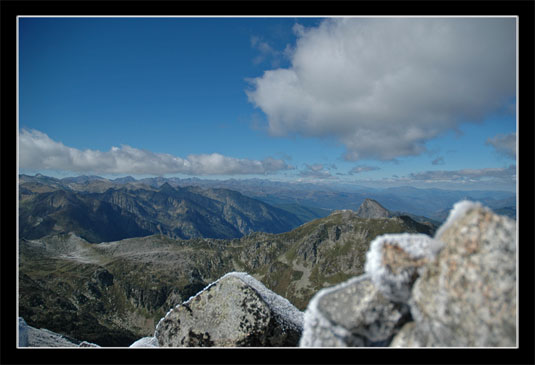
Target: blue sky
[(425, 102)]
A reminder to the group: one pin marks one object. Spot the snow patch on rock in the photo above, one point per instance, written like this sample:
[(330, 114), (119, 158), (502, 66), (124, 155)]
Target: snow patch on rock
[(395, 260), (459, 210), (146, 342), (314, 319), (280, 305)]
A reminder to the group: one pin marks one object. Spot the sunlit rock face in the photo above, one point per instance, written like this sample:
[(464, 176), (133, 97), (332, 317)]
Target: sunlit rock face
[(236, 310), (468, 296)]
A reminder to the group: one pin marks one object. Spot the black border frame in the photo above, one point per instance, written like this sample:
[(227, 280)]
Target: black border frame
[(525, 10)]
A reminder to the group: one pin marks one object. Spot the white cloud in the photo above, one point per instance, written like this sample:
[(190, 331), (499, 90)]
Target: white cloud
[(317, 171), (362, 168), (384, 86), (504, 144), (38, 151), (438, 161)]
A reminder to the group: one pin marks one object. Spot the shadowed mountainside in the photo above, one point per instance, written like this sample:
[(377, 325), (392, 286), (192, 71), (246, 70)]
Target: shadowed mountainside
[(120, 213)]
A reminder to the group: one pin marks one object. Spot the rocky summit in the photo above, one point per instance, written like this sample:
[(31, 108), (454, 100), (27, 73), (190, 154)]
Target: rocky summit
[(372, 209), (456, 289)]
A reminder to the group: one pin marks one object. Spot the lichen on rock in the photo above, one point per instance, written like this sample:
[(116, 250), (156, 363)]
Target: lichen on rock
[(236, 310), (468, 297)]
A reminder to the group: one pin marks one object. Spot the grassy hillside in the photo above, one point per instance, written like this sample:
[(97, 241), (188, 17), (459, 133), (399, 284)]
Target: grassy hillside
[(114, 293)]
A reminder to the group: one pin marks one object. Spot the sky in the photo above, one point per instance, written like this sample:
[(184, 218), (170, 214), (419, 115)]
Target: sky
[(428, 102)]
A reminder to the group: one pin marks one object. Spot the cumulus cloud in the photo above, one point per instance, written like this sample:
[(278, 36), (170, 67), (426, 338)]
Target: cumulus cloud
[(384, 86), (504, 144), (438, 161), (469, 175), (38, 151), (362, 168)]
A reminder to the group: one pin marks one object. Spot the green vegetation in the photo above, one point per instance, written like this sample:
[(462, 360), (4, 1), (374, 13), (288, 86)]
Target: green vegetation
[(120, 290)]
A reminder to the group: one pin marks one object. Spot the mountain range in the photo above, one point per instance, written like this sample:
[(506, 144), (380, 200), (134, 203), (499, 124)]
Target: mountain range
[(101, 260), (113, 293), (307, 201), (125, 212)]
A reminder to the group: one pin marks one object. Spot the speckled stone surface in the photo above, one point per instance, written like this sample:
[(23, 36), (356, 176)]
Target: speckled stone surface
[(352, 314), (228, 313), (468, 297)]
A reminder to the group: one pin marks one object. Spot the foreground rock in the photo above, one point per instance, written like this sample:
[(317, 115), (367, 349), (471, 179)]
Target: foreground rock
[(468, 296), (236, 310), (352, 314), (460, 289), (23, 333), (39, 337), (394, 262)]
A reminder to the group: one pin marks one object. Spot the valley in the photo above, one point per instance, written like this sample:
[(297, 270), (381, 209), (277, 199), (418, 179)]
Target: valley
[(114, 293), (103, 261)]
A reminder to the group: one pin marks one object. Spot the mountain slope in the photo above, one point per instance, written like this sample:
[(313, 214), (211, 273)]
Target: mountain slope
[(63, 211), (120, 213), (89, 291)]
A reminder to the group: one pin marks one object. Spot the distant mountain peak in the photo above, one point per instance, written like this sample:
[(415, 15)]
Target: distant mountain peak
[(372, 209), (166, 187), (125, 179)]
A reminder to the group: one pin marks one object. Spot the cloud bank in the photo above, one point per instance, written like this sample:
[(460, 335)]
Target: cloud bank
[(38, 151), (384, 86), (467, 175)]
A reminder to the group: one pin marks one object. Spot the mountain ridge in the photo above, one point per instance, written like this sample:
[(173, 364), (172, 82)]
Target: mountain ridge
[(116, 213), (123, 287), (432, 203)]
